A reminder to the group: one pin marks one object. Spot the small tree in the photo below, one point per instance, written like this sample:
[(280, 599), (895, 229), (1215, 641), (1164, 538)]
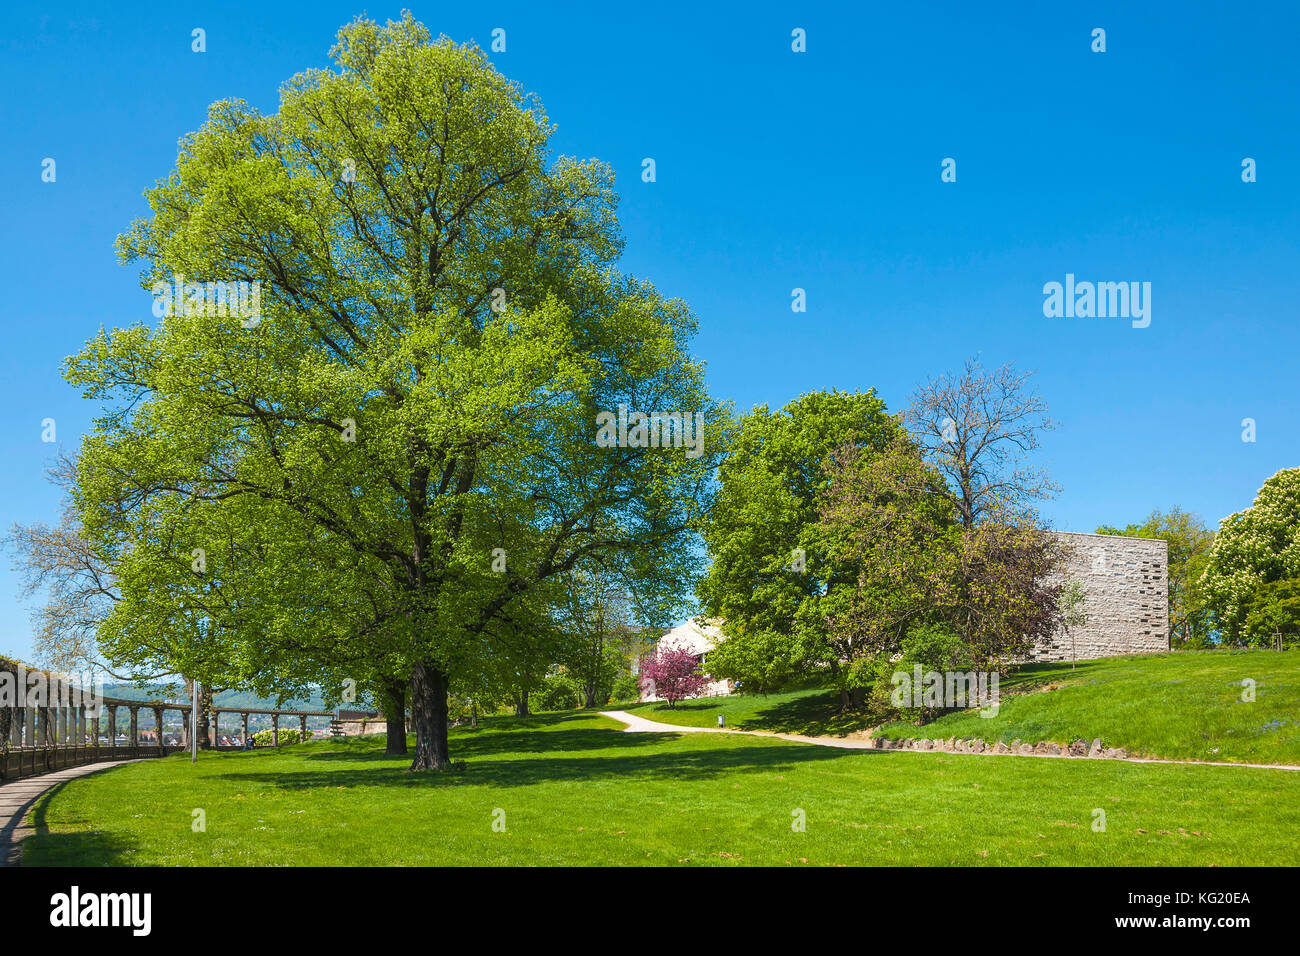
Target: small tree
[(1072, 613), (673, 674)]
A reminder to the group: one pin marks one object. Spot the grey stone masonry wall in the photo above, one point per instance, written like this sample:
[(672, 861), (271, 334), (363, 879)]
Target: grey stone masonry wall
[(1126, 597)]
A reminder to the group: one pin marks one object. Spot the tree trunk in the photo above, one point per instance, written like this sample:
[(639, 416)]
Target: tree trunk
[(204, 717), (395, 717), (521, 705), (591, 697), (429, 714)]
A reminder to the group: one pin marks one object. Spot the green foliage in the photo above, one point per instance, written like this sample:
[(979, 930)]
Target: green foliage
[(759, 662), (625, 687), (1253, 548), (1273, 611), (766, 565), (889, 517), (557, 692), (825, 560), (387, 470), (887, 524), (929, 646), (288, 735)]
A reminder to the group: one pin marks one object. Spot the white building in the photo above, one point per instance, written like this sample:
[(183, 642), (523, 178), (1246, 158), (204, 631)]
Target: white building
[(699, 637)]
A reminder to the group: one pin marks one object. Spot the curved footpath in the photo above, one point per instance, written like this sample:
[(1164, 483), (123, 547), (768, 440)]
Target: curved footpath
[(636, 724), (19, 796)]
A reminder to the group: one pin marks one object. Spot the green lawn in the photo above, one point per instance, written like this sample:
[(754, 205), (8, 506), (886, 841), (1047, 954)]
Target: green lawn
[(815, 712), (575, 790), (1184, 706)]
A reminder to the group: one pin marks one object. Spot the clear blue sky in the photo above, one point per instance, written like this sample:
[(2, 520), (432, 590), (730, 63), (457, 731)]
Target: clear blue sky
[(778, 170)]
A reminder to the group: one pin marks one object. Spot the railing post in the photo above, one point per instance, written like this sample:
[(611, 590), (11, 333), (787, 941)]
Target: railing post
[(158, 724), (245, 732), (112, 725), (135, 727), (216, 729), (275, 730), (45, 734), (29, 727), (302, 719)]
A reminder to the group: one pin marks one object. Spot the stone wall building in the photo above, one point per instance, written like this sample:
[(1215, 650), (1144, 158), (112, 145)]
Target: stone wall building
[(1125, 585)]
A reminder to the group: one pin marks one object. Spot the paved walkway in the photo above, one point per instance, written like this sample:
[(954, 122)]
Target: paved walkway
[(636, 724), (19, 796)]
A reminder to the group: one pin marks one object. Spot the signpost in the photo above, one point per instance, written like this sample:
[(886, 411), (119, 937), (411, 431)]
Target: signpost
[(194, 724)]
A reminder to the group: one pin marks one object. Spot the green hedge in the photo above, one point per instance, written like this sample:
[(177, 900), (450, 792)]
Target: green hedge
[(287, 736)]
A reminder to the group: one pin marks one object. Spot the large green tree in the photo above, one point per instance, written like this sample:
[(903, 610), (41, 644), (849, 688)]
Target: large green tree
[(766, 564), (1253, 548), (400, 448), (885, 517)]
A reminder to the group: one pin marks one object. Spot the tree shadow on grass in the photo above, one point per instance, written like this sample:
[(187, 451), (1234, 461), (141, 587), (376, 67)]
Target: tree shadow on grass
[(814, 715), (643, 756), (817, 715), (85, 848)]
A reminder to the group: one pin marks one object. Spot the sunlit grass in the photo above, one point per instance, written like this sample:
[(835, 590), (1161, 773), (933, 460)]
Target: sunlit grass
[(575, 790), (1185, 706)]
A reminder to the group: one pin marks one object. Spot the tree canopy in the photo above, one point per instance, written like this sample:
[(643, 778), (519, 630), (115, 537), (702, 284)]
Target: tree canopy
[(766, 564), (384, 467), (1253, 548)]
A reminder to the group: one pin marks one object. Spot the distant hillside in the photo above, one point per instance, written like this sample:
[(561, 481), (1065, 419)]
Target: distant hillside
[(227, 698)]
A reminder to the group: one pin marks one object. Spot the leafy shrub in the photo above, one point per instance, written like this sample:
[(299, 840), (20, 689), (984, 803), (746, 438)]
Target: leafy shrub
[(932, 647), (626, 687), (558, 692), (287, 736)]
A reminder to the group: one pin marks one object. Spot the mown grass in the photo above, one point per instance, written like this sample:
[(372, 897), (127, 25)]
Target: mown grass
[(1184, 706), (814, 711), (575, 790)]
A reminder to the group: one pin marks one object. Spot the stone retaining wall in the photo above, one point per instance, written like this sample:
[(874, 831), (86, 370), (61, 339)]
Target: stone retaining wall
[(958, 745)]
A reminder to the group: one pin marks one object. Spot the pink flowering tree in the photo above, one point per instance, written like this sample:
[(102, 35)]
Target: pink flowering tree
[(673, 674)]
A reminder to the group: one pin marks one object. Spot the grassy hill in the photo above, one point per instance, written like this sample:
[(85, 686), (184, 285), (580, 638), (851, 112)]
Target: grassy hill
[(1184, 706), (574, 789)]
